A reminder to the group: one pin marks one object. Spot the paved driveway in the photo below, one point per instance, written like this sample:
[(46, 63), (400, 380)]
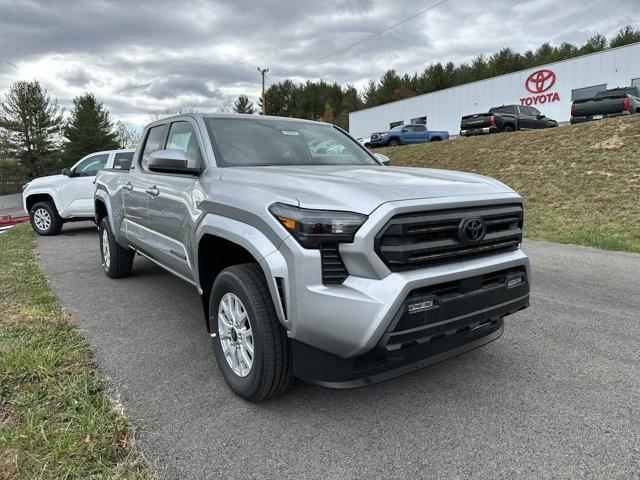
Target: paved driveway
[(558, 396)]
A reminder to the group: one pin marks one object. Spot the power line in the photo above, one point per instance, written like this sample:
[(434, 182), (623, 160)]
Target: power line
[(344, 49)]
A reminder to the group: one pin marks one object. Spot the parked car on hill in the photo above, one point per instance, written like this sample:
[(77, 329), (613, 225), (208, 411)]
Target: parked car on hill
[(56, 199), (607, 103), (405, 135), (507, 118), (324, 265), (364, 141)]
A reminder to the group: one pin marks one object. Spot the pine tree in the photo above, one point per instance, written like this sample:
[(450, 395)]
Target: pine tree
[(31, 122), (625, 36), (88, 130), (243, 105)]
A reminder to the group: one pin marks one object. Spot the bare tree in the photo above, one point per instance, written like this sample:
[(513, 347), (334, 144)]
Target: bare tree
[(127, 134), (226, 107)]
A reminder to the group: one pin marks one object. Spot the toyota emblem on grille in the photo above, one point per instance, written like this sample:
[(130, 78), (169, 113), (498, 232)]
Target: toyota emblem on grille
[(472, 230)]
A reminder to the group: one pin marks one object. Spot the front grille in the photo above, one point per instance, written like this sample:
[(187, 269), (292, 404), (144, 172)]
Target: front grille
[(423, 239), (333, 270)]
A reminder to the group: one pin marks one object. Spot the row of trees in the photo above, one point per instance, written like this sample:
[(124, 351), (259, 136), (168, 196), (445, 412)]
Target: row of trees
[(35, 140), (313, 100)]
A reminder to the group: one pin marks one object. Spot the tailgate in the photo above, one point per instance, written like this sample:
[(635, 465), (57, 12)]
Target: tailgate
[(597, 106), (479, 120)]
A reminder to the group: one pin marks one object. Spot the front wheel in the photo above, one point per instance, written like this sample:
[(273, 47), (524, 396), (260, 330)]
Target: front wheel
[(394, 143), (250, 345), (117, 261), (45, 219)]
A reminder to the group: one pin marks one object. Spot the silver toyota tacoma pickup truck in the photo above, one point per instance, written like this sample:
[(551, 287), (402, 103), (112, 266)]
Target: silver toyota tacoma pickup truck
[(312, 257)]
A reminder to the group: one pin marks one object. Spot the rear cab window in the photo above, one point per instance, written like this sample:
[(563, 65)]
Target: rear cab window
[(122, 161)]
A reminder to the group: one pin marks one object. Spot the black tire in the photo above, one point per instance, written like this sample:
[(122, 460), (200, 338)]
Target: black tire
[(436, 139), (46, 212), (394, 143), (271, 372), (508, 128), (120, 261)]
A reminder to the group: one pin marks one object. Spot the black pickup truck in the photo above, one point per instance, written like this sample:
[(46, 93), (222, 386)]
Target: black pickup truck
[(607, 103), (506, 118)]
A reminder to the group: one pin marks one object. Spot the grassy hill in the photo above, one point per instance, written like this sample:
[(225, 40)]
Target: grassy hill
[(580, 183)]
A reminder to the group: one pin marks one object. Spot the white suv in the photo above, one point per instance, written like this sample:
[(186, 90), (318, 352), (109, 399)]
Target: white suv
[(51, 201)]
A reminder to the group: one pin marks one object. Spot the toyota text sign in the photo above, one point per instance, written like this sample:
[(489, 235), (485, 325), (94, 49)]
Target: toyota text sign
[(538, 83)]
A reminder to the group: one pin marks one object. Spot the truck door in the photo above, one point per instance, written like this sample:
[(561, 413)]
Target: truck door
[(173, 205), (420, 134), (134, 192), (76, 192), (528, 118)]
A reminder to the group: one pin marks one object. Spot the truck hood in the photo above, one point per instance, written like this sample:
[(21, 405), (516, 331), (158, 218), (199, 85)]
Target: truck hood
[(49, 181), (360, 189)]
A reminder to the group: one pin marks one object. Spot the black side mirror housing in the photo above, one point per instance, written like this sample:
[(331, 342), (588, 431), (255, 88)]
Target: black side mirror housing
[(540, 117), (171, 161), (66, 171)]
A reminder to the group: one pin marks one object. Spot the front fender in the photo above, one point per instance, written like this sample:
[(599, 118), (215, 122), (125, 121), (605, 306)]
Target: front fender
[(264, 250), (52, 192)]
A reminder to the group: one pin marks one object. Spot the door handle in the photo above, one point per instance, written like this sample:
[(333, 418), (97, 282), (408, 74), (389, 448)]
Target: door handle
[(153, 191), (127, 186)]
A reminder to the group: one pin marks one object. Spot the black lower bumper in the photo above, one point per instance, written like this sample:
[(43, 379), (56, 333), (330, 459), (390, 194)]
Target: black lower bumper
[(463, 315), (590, 118)]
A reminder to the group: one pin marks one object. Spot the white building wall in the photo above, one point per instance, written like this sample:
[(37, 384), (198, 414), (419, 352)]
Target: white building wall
[(615, 67)]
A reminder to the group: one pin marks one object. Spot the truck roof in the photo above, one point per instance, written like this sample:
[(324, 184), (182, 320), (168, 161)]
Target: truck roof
[(234, 115)]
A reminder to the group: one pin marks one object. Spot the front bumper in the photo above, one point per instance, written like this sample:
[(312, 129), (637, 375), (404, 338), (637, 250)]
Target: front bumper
[(378, 142), (469, 132), (454, 323)]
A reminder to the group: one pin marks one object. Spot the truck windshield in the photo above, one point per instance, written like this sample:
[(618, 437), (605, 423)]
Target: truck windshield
[(245, 142)]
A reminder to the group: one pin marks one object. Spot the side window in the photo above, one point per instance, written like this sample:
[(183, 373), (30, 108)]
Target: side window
[(533, 112), (183, 137), (91, 166), (418, 128), (122, 161), (152, 144)]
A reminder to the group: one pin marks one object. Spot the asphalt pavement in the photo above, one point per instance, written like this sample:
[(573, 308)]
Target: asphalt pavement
[(557, 396)]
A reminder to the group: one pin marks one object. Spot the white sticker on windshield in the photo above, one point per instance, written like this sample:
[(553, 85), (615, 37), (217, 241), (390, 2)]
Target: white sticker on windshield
[(290, 132)]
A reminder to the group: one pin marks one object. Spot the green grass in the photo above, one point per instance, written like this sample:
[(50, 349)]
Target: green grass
[(56, 420), (580, 183)]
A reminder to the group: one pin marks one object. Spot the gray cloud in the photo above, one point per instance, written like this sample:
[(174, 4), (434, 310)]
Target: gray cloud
[(140, 57)]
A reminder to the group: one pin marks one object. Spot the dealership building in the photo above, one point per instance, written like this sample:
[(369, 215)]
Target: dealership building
[(549, 88)]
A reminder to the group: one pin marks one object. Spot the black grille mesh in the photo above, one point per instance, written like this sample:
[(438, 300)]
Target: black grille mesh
[(422, 239)]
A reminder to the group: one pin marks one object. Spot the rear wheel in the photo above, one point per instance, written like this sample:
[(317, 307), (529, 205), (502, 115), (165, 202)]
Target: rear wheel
[(117, 261), (508, 128), (250, 345), (45, 219)]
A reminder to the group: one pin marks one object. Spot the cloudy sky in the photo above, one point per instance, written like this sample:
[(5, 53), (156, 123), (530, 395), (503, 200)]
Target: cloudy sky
[(142, 57)]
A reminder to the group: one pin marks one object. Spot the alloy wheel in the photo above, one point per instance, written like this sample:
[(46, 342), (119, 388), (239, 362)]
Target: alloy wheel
[(236, 336)]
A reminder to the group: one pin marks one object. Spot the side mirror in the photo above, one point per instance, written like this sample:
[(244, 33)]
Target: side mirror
[(540, 117), (171, 161), (66, 171), (405, 130), (383, 159)]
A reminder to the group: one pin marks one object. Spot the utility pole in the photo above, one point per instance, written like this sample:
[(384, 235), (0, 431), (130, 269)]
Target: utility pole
[(263, 72)]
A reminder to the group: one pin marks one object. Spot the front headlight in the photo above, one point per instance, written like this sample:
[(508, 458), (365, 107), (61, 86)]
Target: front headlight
[(25, 186), (313, 227)]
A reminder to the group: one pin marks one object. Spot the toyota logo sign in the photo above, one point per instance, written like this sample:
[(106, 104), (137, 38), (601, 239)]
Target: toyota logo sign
[(472, 230), (540, 81)]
